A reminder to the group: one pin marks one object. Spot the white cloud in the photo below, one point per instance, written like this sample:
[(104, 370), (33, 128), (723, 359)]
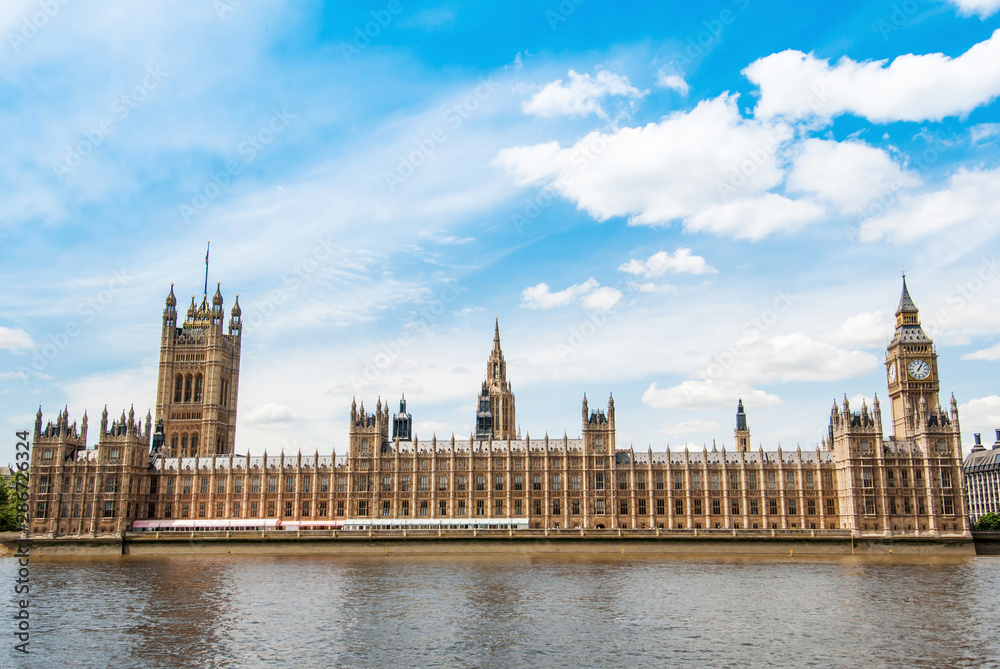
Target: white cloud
[(848, 174), (658, 264), (427, 429), (674, 81), (14, 339), (13, 375), (682, 168), (972, 197), (926, 87), (756, 218), (980, 8), (589, 293), (580, 97), (269, 414), (602, 299), (706, 394), (983, 131), (689, 426), (796, 357), (865, 329), (991, 353), (981, 415)]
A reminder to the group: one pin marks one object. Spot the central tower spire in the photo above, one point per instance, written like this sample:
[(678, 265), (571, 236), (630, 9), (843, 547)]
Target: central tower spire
[(497, 390)]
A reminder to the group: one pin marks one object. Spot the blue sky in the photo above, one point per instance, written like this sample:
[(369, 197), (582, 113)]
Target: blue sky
[(681, 203)]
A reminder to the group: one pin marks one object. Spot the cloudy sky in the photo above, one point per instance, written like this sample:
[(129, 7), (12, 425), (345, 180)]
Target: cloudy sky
[(681, 203)]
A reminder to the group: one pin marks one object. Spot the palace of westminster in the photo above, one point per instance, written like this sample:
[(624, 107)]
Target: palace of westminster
[(183, 467)]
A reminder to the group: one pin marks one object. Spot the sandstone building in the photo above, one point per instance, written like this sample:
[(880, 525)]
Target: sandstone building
[(184, 473)]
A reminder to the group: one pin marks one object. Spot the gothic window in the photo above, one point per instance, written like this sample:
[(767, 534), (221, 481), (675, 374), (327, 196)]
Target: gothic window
[(197, 388), (623, 481), (735, 510), (556, 507), (220, 486), (194, 443), (272, 484), (289, 484), (173, 444), (790, 480), (556, 482), (659, 480), (307, 484), (945, 478), (734, 480), (791, 506), (811, 506), (716, 506), (204, 485), (497, 507), (678, 481), (598, 481), (574, 481), (498, 483), (828, 480), (386, 484), (178, 388), (715, 481), (696, 502), (661, 506), (679, 507), (188, 382), (186, 488), (754, 507), (238, 485), (810, 482), (461, 507), (184, 445), (695, 480), (831, 508), (772, 506)]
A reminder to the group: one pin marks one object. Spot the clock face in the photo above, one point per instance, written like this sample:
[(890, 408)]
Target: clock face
[(892, 372), (919, 369)]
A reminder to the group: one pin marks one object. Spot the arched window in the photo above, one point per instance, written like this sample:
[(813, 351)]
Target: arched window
[(184, 445), (178, 388), (173, 445), (197, 388), (187, 388), (194, 443), (225, 392)]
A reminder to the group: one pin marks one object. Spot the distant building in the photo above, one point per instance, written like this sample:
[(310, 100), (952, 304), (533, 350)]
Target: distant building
[(184, 473), (982, 480)]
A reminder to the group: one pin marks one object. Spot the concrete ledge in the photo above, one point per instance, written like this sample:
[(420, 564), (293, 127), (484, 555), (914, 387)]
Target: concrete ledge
[(288, 543), (987, 542)]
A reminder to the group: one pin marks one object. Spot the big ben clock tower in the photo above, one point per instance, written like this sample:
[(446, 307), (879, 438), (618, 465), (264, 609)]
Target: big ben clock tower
[(911, 368)]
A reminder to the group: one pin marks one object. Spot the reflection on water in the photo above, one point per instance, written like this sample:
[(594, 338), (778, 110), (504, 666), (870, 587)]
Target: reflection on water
[(501, 611)]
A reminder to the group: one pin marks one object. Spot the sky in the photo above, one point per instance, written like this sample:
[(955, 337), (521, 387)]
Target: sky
[(682, 204)]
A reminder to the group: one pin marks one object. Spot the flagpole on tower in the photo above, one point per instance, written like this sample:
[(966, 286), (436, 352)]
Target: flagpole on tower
[(206, 267)]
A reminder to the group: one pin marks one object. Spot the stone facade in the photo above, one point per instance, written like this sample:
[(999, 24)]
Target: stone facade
[(982, 480), (909, 484)]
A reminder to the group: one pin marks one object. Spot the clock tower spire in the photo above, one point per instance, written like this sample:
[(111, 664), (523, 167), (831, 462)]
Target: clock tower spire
[(911, 366)]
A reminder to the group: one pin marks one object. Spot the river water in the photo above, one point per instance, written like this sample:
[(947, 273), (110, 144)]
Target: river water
[(507, 611)]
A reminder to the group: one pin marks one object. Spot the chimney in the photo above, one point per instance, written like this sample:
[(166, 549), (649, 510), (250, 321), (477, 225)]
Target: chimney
[(996, 444)]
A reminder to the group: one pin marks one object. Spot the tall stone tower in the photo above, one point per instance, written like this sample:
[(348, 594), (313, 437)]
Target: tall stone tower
[(912, 370), (199, 378), (501, 399), (742, 432)]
